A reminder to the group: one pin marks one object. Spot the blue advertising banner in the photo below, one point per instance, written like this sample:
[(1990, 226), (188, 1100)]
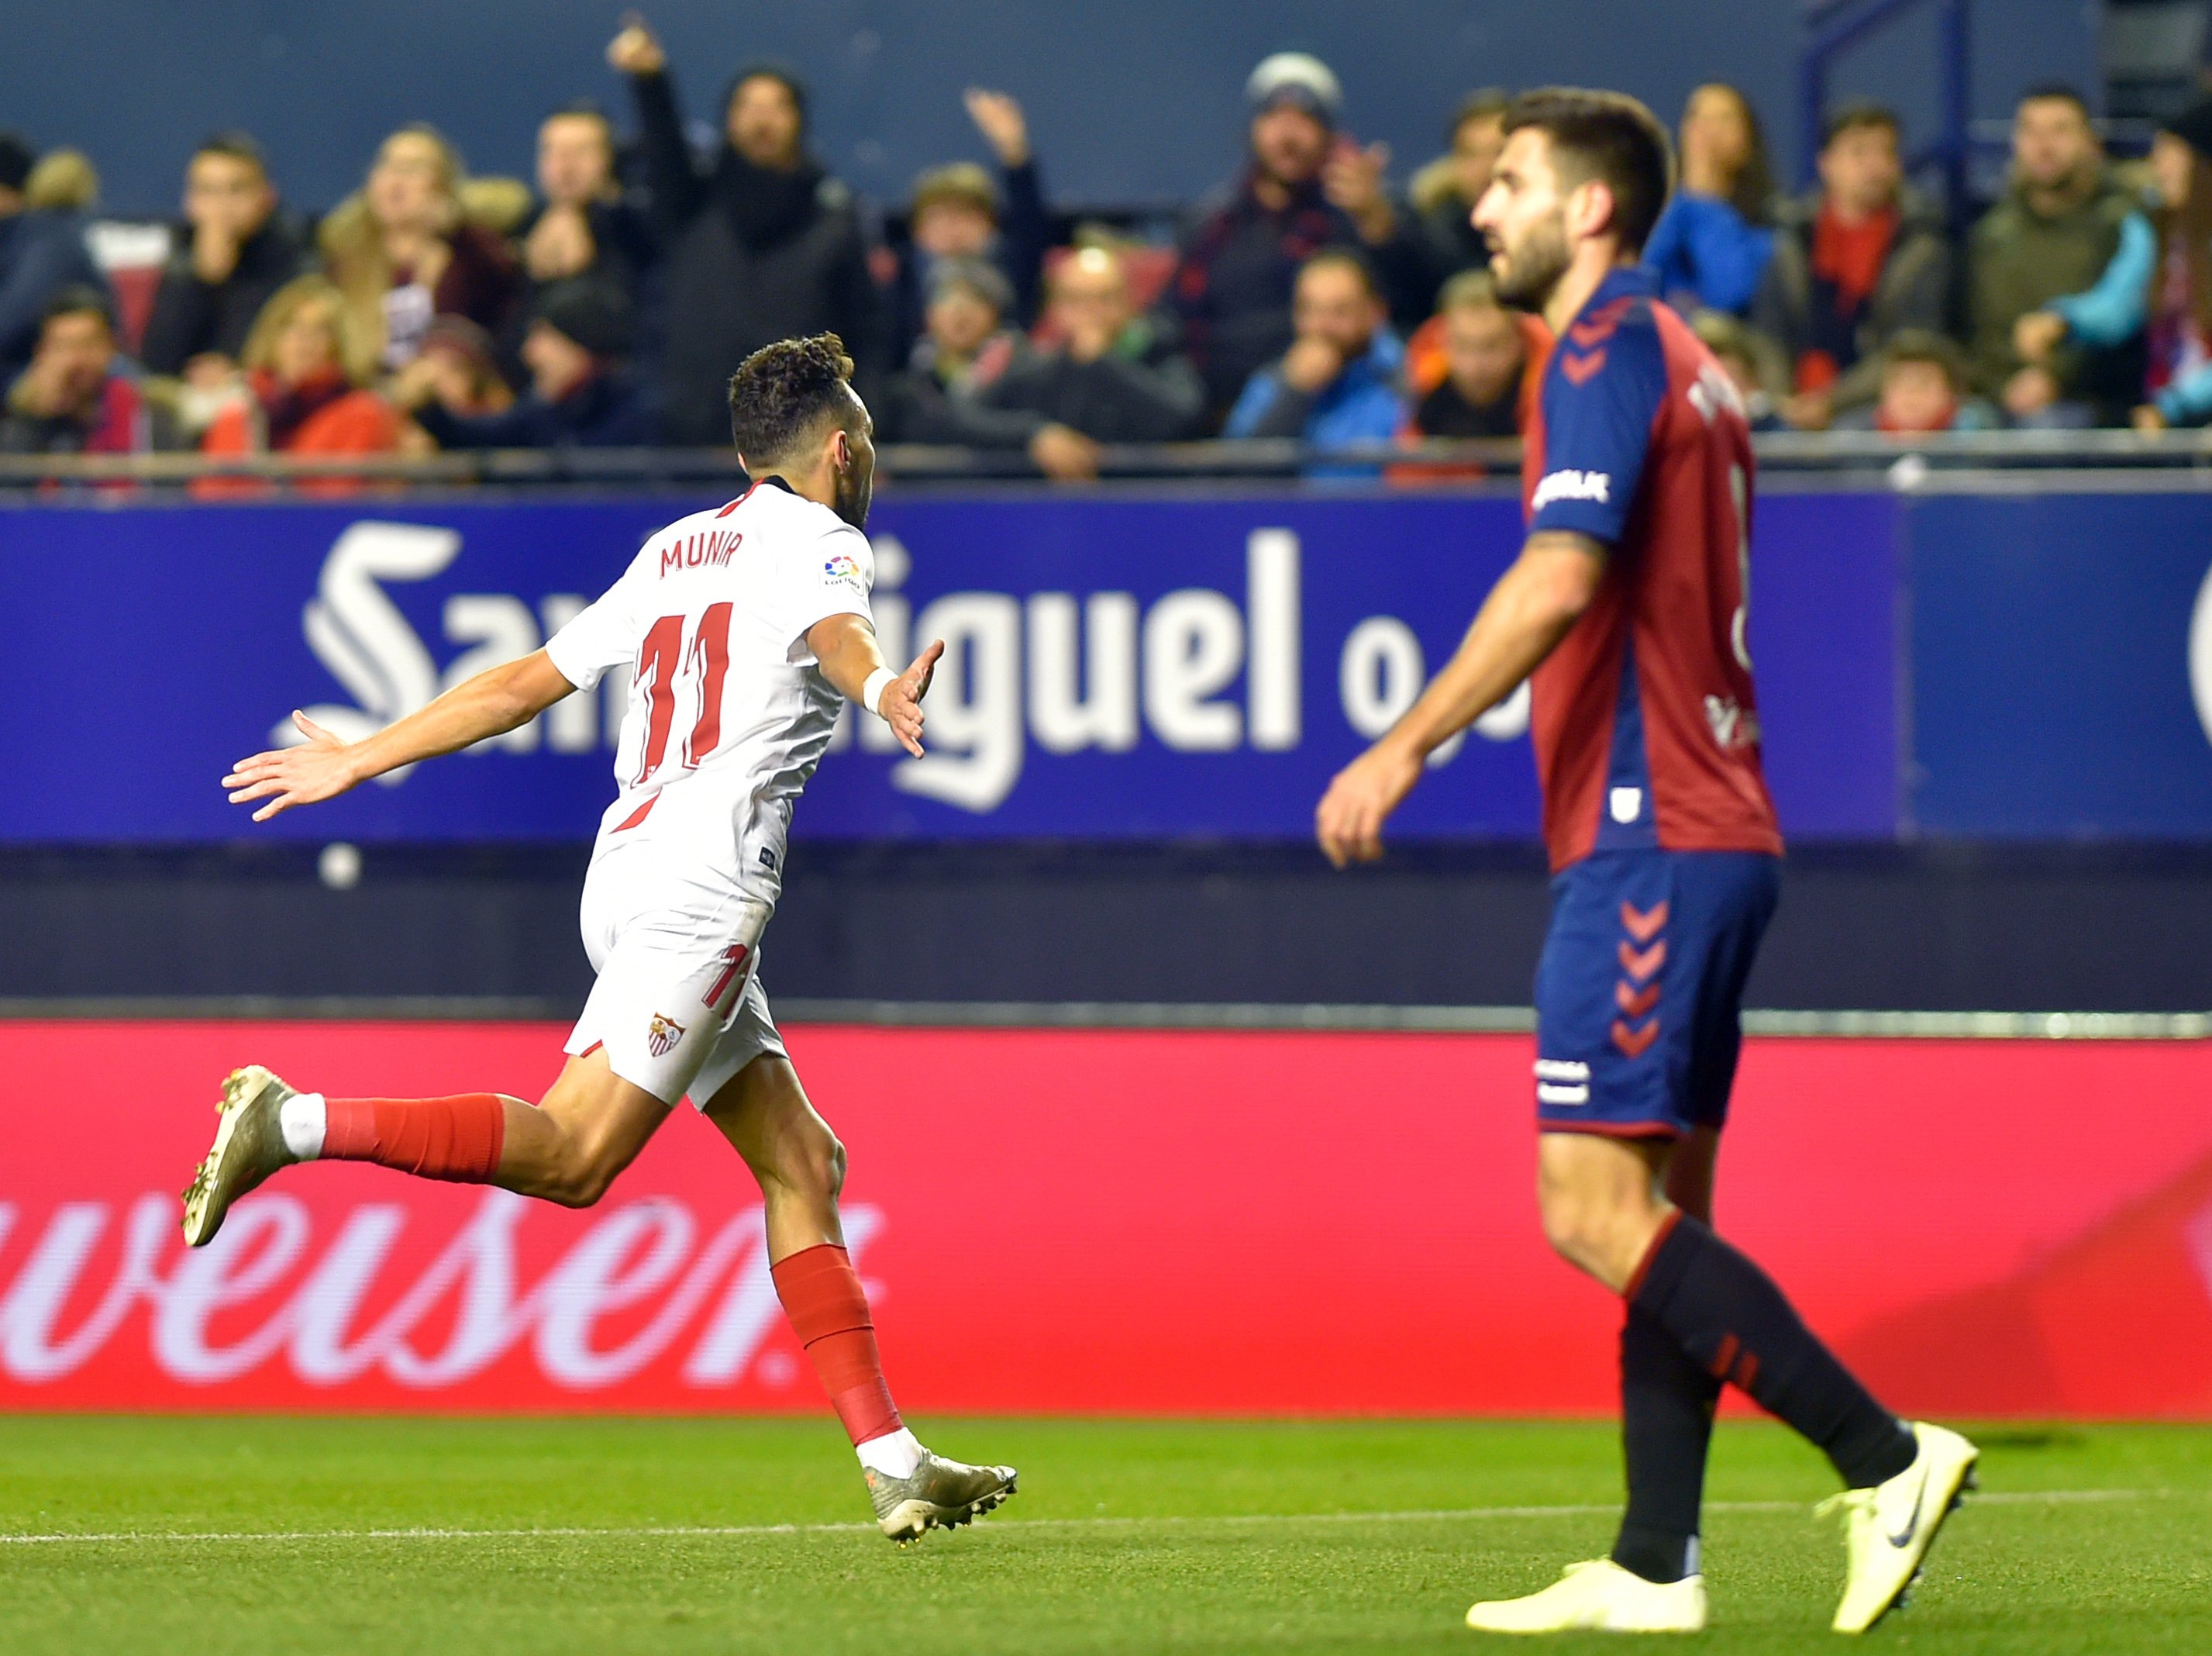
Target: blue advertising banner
[(2062, 665), (1170, 666)]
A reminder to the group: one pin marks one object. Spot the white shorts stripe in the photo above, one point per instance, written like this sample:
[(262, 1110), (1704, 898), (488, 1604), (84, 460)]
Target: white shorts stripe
[(1561, 1069), (1547, 1094)]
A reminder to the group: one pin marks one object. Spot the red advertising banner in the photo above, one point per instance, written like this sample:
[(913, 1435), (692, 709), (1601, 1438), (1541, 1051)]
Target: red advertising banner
[(1102, 1222)]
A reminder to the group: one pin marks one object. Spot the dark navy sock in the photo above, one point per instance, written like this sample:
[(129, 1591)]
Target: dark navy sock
[(1728, 1316), (1666, 1403)]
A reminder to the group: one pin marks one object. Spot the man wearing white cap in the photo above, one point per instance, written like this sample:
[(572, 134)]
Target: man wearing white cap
[(1305, 185)]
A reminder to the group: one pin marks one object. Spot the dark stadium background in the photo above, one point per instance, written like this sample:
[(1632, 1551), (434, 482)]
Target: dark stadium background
[(1134, 102)]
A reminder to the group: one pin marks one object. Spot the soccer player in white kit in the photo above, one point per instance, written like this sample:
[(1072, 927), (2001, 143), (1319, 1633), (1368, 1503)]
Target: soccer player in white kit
[(743, 629)]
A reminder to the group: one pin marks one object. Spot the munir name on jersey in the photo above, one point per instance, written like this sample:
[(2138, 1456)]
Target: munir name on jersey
[(710, 547)]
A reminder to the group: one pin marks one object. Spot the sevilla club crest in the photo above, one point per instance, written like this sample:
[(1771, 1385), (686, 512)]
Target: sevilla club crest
[(662, 1035)]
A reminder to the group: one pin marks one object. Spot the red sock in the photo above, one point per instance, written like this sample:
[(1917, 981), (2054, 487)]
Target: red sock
[(458, 1138), (821, 1296)]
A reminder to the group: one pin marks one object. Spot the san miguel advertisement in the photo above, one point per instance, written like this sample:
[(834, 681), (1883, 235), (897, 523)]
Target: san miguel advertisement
[(1117, 667), (1186, 1223)]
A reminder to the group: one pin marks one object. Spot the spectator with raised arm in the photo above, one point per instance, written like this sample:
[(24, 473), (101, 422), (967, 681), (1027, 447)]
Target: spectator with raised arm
[(403, 250), (581, 393), (2177, 389), (1711, 247), (1305, 185), (1338, 384), (79, 395), (235, 248), (960, 211), (42, 252), (1444, 191), (761, 245), (1860, 258), (582, 227), (2056, 274)]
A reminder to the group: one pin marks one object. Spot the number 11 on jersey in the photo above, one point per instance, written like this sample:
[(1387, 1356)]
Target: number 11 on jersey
[(661, 659)]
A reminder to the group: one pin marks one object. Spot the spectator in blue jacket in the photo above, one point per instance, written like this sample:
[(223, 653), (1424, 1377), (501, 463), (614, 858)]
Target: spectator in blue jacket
[(581, 393), (1339, 383), (1711, 247), (2177, 297), (42, 252)]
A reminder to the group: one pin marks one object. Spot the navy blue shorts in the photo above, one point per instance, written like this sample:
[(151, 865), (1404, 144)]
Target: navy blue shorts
[(1640, 985)]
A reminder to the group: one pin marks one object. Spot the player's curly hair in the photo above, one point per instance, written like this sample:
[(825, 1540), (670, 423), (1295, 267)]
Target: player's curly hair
[(1610, 138), (783, 392)]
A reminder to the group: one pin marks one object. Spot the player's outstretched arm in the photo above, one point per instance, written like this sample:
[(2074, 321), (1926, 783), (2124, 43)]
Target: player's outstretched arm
[(846, 647), (489, 704), (1529, 612)]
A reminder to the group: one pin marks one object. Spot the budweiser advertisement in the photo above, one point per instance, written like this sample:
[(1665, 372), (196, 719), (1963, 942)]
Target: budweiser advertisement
[(1102, 1222)]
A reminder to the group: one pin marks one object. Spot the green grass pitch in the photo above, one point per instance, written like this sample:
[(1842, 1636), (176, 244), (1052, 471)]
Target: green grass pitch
[(267, 1535)]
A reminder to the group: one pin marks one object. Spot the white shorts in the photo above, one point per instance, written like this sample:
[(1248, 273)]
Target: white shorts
[(678, 1004)]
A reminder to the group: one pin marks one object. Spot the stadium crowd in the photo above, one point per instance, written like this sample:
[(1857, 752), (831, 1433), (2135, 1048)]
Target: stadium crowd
[(1308, 298)]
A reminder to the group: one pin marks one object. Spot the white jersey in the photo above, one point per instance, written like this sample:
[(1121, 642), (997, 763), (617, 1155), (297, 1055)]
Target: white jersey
[(728, 711)]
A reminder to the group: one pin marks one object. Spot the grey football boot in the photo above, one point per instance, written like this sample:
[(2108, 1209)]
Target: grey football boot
[(940, 1494), (249, 1145)]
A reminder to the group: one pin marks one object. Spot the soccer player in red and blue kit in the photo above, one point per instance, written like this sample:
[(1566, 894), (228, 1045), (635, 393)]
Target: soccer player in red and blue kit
[(1626, 612)]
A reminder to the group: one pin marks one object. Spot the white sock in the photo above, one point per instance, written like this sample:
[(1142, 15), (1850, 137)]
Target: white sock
[(303, 1118), (895, 1454)]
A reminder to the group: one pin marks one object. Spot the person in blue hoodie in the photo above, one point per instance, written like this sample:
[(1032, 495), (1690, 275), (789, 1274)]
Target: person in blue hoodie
[(1340, 383)]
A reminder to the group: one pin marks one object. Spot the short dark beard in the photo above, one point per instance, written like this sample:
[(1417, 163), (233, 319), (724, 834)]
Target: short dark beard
[(1535, 270), (853, 499)]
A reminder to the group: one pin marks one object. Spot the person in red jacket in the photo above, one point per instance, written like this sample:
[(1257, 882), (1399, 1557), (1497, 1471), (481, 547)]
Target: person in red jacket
[(300, 392)]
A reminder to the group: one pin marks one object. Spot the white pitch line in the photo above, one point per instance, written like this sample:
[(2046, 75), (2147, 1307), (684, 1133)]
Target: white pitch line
[(710, 1532)]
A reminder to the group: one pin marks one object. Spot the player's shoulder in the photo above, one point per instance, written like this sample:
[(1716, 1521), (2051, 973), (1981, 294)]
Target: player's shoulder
[(1610, 347), (1695, 373), (800, 536), (691, 523)]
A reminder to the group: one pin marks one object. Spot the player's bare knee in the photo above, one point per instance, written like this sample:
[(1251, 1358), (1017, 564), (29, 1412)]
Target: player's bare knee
[(816, 1161), (1587, 1230), (1569, 1227), (581, 1173), (588, 1186)]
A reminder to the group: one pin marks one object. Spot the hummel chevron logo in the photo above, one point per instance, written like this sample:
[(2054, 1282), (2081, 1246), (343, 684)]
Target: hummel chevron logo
[(1642, 925), (1636, 1002), (1634, 1041), (1640, 964), (1578, 369), (1598, 325)]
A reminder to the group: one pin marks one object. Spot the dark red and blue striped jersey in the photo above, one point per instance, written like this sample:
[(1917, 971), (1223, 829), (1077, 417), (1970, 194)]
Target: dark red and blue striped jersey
[(1645, 723)]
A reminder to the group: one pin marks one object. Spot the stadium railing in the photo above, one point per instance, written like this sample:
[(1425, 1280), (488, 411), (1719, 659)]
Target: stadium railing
[(1491, 463)]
